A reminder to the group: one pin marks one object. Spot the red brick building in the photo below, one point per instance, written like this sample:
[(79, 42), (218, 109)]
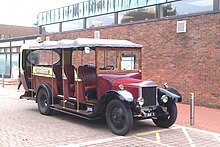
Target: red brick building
[(189, 62)]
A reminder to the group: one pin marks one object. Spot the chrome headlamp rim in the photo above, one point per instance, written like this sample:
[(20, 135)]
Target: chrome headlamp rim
[(164, 98), (140, 101)]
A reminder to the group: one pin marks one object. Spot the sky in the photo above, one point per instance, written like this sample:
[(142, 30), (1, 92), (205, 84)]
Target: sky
[(24, 12)]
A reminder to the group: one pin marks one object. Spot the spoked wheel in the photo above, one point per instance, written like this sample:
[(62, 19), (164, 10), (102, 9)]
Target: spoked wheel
[(119, 117), (168, 120), (44, 102)]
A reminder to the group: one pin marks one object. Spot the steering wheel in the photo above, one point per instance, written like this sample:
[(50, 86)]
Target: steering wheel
[(109, 67)]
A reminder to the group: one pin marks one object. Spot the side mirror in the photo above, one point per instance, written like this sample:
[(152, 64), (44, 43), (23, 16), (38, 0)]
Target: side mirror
[(87, 50)]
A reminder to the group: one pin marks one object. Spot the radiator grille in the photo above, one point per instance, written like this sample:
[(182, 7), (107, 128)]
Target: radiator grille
[(150, 96)]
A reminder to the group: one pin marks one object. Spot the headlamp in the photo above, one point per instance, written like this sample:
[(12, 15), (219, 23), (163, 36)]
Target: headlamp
[(140, 101), (164, 98), (121, 87)]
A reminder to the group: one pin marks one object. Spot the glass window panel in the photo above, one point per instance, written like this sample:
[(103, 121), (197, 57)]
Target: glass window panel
[(71, 11), (43, 57), (137, 15), (66, 13), (15, 49), (7, 50), (133, 3), (15, 67), (117, 5), (40, 19), (111, 6), (86, 9), (52, 16), (2, 50), (130, 60), (186, 7), (75, 11), (44, 15), (50, 28), (100, 21), (48, 19), (81, 10), (15, 59), (72, 25), (57, 15), (5, 64), (61, 14), (107, 59)]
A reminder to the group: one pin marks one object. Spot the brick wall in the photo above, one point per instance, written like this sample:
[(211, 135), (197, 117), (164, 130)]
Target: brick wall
[(189, 62)]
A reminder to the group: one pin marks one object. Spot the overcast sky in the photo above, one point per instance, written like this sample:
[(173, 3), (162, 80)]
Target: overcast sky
[(24, 12)]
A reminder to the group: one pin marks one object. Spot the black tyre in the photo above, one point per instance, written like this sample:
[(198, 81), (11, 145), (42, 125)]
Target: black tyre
[(119, 117), (44, 102), (168, 120)]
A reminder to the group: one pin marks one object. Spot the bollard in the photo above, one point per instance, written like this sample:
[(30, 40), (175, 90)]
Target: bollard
[(3, 84), (192, 109)]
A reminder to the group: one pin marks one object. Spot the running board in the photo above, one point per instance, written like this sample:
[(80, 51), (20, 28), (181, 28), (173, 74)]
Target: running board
[(74, 114)]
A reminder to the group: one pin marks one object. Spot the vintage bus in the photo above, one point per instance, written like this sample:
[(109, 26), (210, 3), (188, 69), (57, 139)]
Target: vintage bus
[(95, 78)]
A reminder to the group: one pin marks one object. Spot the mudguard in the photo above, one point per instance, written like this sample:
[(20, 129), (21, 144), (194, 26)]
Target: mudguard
[(123, 95), (171, 93), (46, 87)]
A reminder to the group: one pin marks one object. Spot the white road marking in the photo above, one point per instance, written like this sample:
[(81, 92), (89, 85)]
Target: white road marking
[(188, 137), (198, 130), (156, 142), (92, 142), (139, 136), (158, 131), (217, 137)]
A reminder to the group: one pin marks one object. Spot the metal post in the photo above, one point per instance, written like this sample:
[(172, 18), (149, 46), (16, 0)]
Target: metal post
[(192, 109), (3, 84)]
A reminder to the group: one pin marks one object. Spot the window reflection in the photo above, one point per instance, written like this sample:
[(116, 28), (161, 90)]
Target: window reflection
[(137, 15), (50, 28), (186, 7), (72, 25), (98, 21)]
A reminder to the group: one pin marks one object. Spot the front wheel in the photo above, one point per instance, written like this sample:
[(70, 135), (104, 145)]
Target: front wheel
[(119, 117), (44, 102), (168, 120)]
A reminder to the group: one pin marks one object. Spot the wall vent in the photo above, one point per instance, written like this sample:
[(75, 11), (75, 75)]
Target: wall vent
[(97, 34), (181, 26)]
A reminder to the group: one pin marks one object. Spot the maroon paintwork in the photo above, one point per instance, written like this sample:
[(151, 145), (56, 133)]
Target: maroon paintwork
[(106, 82)]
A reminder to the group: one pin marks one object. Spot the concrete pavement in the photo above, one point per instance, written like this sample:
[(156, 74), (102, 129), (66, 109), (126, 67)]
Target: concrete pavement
[(22, 125)]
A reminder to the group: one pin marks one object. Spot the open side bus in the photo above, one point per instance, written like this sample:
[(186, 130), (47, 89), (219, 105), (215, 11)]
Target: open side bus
[(92, 78)]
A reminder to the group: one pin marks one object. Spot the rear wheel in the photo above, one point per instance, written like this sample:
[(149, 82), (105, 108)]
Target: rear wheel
[(168, 120), (119, 117), (44, 102)]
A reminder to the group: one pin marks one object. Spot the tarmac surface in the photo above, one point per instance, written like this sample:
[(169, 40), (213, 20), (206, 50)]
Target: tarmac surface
[(21, 125)]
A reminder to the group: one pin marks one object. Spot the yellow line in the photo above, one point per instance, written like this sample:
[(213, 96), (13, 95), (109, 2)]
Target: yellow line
[(145, 139), (158, 131), (188, 137), (158, 137)]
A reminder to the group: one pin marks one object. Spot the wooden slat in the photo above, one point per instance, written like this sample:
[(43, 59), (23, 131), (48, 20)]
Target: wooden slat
[(82, 112)]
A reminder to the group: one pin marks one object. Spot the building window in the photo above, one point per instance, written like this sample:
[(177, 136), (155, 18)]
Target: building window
[(72, 25), (186, 7), (99, 21), (2, 50), (50, 28), (5, 64), (137, 15)]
